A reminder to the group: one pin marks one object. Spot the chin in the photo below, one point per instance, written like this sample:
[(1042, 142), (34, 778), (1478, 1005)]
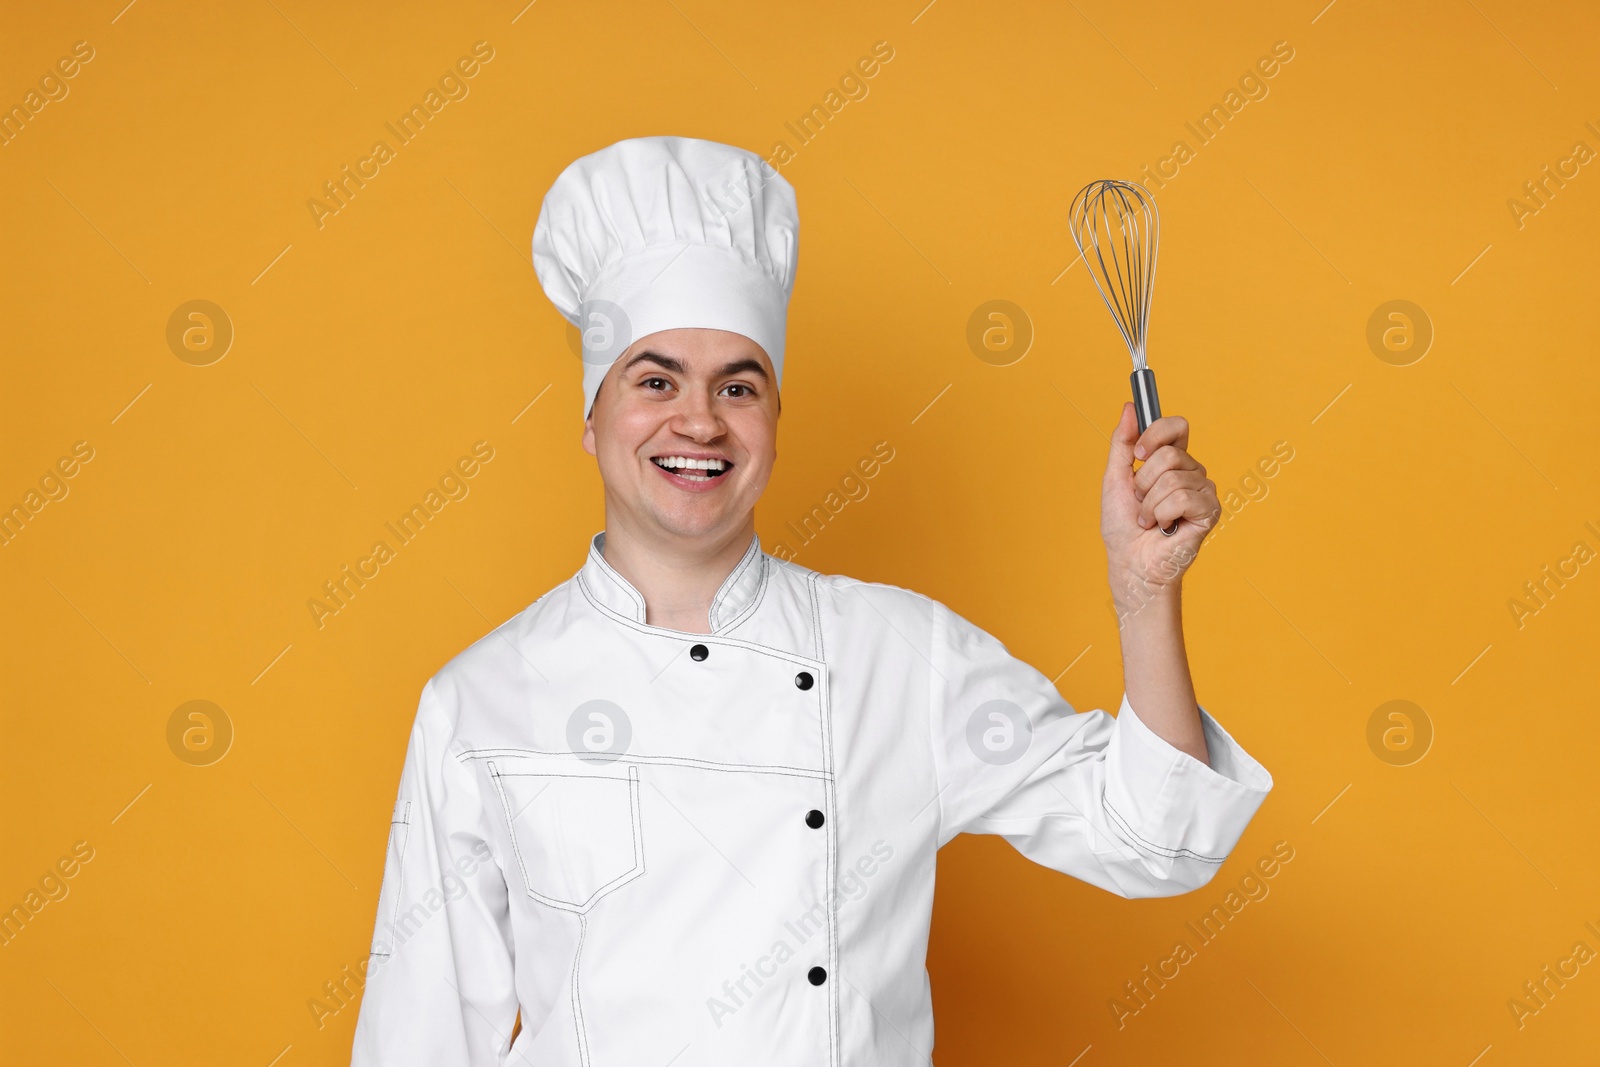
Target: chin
[(693, 523)]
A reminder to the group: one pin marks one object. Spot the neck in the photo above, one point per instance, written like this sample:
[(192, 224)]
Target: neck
[(677, 576)]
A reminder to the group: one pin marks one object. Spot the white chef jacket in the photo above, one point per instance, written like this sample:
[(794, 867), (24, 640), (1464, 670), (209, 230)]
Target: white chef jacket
[(718, 849)]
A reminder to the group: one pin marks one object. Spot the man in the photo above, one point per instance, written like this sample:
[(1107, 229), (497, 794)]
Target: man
[(684, 808)]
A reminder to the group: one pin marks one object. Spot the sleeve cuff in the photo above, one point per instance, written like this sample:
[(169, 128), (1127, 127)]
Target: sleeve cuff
[(1171, 803)]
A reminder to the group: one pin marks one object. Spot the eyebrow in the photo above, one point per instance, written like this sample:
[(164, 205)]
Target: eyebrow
[(672, 363)]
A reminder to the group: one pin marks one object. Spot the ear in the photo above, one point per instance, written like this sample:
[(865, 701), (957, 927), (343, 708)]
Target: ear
[(588, 436)]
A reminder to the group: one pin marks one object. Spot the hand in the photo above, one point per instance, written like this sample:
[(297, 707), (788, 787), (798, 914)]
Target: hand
[(1142, 562)]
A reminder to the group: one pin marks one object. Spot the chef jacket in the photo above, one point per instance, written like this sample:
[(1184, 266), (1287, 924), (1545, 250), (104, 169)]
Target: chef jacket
[(708, 849)]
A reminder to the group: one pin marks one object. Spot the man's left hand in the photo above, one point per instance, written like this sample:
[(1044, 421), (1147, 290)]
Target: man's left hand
[(1135, 505)]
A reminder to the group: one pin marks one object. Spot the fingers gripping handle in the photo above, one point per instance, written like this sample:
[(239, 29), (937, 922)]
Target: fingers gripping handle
[(1148, 407)]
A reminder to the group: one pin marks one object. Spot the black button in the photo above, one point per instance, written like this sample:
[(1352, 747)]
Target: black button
[(804, 680), (817, 975), (814, 819), (699, 652)]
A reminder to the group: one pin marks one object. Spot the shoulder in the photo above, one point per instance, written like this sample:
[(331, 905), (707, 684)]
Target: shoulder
[(857, 605), (504, 652), (854, 598)]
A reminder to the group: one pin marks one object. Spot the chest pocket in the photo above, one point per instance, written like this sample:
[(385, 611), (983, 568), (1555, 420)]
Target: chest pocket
[(574, 827)]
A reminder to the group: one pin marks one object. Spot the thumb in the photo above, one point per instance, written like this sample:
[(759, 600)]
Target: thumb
[(1119, 464)]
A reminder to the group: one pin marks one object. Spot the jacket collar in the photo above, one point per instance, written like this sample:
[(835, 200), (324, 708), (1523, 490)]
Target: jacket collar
[(738, 595)]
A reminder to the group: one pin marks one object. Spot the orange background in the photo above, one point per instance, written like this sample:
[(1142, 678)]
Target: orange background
[(369, 354)]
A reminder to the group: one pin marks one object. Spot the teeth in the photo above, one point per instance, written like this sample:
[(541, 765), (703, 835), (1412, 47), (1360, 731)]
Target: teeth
[(684, 463)]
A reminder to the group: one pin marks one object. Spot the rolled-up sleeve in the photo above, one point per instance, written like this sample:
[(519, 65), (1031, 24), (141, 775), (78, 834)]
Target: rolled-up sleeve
[(439, 989), (1102, 798)]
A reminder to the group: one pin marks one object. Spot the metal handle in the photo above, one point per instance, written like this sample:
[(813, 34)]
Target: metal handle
[(1148, 407)]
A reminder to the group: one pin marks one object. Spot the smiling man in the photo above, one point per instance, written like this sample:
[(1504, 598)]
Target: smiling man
[(685, 807), (685, 434)]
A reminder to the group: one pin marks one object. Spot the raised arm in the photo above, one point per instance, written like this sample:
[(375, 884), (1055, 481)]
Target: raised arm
[(1106, 800)]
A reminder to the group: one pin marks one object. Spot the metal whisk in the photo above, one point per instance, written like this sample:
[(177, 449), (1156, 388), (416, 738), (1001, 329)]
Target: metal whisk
[(1118, 233)]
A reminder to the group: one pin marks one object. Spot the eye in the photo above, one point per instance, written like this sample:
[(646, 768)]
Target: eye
[(656, 382), (740, 389)]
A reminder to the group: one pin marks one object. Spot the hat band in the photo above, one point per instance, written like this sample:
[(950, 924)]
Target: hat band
[(678, 287)]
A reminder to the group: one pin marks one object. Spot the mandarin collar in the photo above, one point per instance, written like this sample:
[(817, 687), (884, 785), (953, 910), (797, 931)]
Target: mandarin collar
[(737, 596)]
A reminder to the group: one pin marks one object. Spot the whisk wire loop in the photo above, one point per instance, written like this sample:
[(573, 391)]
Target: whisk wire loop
[(1117, 230)]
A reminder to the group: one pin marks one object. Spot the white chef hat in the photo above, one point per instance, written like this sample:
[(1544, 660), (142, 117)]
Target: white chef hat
[(661, 233)]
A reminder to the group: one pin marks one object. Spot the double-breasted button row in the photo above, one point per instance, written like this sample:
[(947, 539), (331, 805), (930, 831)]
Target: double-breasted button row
[(803, 680), (817, 975)]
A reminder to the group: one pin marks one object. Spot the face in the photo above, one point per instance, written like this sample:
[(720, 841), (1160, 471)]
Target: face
[(685, 429)]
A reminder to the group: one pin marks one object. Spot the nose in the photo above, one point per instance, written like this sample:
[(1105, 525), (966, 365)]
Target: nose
[(696, 416)]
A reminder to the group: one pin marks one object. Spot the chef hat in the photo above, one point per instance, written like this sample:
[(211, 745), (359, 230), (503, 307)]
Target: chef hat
[(661, 233)]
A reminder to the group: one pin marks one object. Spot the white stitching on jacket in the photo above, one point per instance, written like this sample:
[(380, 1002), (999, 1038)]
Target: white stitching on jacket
[(825, 720), (403, 810)]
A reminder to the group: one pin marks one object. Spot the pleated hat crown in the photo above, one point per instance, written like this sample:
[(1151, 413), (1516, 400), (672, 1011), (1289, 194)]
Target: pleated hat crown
[(661, 233)]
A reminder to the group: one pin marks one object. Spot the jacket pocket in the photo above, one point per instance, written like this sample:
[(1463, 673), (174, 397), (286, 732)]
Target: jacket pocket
[(383, 933), (575, 830)]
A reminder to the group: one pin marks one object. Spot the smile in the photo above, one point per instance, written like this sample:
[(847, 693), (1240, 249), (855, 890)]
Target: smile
[(693, 470)]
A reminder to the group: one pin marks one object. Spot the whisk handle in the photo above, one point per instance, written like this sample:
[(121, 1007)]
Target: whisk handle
[(1145, 401), (1148, 407)]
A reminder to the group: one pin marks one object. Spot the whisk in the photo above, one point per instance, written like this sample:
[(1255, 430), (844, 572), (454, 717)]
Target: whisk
[(1118, 232)]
